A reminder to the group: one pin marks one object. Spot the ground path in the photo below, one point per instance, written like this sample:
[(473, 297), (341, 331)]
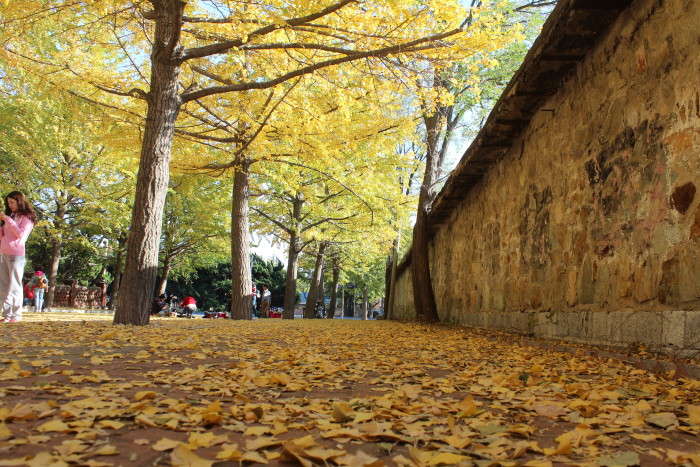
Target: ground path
[(77, 390)]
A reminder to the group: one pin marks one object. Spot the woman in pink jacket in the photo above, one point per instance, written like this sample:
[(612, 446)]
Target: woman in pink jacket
[(16, 223)]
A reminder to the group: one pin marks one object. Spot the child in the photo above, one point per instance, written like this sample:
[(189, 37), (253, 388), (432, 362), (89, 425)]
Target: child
[(16, 223), (39, 283)]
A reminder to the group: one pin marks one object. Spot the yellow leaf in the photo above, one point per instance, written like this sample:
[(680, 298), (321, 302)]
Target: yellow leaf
[(467, 407), (114, 424), (342, 412), (5, 432), (458, 442), (144, 420), (251, 456), (647, 437), (203, 440), (280, 379), (694, 414), (230, 452), (53, 425), (144, 395), (446, 458), (261, 443), (363, 417), (143, 354), (258, 430), (183, 457), (165, 444), (279, 428), (107, 450)]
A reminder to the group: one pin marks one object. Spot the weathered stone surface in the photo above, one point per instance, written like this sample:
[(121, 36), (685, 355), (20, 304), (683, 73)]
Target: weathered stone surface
[(590, 223)]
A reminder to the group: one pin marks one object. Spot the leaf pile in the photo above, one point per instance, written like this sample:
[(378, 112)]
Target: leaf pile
[(325, 392)]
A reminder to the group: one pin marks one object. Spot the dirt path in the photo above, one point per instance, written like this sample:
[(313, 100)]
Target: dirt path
[(78, 391)]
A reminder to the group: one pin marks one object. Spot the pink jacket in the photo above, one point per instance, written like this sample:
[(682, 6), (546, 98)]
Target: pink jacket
[(14, 234)]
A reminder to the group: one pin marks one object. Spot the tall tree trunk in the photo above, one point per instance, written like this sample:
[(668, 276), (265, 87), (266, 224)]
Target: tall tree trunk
[(117, 273), (423, 294), (154, 169), (290, 283), (165, 273), (309, 311), (389, 310), (241, 275), (365, 303), (330, 314)]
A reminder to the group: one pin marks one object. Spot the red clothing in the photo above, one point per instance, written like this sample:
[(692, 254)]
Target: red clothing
[(188, 301)]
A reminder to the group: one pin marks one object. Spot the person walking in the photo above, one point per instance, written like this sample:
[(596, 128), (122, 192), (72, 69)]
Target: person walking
[(39, 284), (265, 302), (16, 223)]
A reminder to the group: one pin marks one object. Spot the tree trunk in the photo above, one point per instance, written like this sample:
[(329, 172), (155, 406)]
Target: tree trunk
[(241, 275), (389, 310), (330, 314), (164, 276), (117, 274), (290, 283), (365, 303), (423, 294), (154, 170), (310, 310)]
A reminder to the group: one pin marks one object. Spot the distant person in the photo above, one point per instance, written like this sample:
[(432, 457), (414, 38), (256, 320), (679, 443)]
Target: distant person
[(39, 284), (265, 302), (159, 304), (189, 306), (256, 295), (16, 223), (320, 308), (28, 294)]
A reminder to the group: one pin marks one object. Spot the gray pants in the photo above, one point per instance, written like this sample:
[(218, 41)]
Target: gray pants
[(11, 294)]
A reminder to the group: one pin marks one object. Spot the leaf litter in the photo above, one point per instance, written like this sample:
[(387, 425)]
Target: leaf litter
[(326, 392)]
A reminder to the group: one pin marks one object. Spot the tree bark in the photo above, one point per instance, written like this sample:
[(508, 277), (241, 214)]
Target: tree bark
[(330, 313), (117, 274), (165, 272), (310, 309), (290, 284), (423, 294), (365, 303), (154, 170), (389, 310), (241, 275)]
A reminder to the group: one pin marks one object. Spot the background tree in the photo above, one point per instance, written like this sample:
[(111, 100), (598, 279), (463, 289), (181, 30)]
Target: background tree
[(71, 173), (447, 95), (194, 228), (278, 42)]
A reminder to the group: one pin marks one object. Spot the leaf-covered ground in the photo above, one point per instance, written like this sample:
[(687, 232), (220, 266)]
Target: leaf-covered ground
[(77, 390)]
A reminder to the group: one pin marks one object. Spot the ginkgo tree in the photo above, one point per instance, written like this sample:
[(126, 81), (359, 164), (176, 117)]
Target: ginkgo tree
[(446, 95), (194, 226), (199, 51), (73, 176)]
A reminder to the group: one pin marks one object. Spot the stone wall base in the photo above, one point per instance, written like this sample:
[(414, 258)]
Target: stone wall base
[(673, 333)]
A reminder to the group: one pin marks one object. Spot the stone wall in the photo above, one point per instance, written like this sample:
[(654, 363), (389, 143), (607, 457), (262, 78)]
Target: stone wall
[(589, 228)]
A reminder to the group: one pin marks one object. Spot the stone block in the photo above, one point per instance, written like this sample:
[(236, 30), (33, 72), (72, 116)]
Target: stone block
[(691, 336), (673, 329)]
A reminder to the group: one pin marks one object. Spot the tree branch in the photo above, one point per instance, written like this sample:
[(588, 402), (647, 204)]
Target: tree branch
[(399, 48), (221, 47)]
